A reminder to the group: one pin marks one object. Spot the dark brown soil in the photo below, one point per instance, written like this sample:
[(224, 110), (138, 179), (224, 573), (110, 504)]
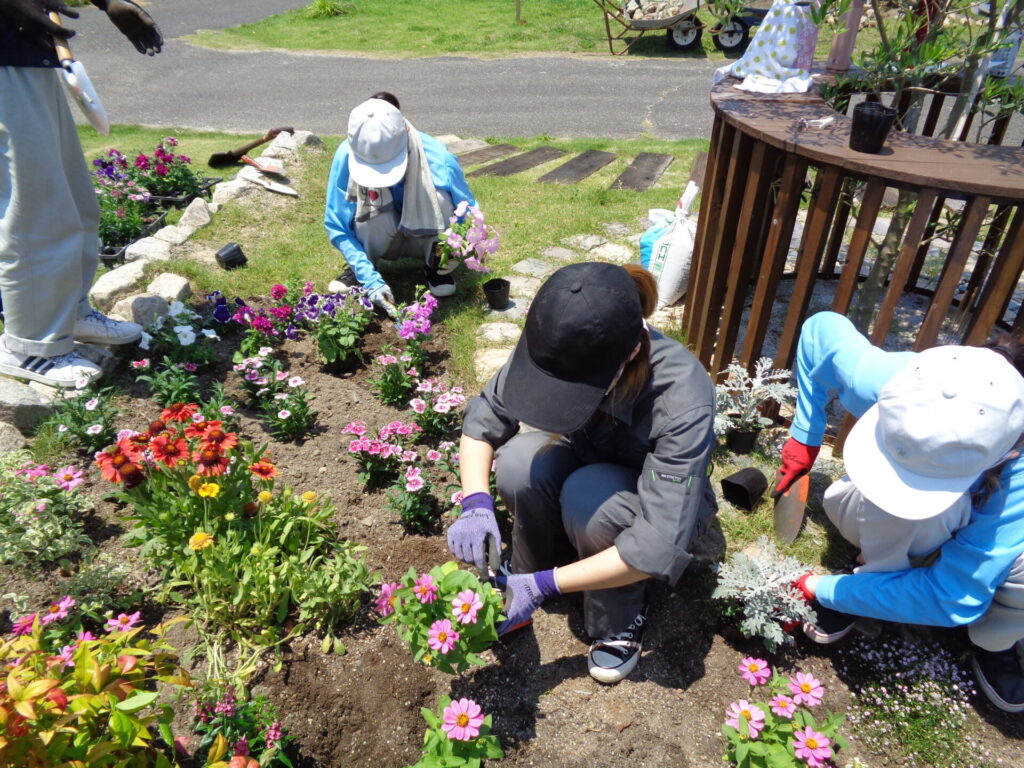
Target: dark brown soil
[(362, 708)]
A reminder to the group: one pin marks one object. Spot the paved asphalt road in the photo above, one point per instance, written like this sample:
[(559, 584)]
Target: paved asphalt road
[(562, 96)]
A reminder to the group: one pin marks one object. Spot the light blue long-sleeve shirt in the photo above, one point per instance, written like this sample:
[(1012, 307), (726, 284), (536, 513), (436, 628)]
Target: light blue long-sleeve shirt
[(340, 213), (958, 587)]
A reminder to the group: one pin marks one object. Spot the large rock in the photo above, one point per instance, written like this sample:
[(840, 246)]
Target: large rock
[(170, 287), (21, 406), (227, 191), (514, 310), (500, 333), (534, 268), (558, 253), (617, 229), (172, 234), (488, 361), (523, 287), (142, 309), (102, 357), (618, 254), (116, 281), (10, 438), (282, 147), (148, 249), (307, 139), (195, 216), (584, 242)]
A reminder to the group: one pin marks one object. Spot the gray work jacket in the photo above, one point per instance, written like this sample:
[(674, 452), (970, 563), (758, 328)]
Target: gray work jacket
[(666, 433)]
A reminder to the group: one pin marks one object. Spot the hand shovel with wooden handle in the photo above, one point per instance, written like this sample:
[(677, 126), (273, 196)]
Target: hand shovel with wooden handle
[(790, 508), (77, 81), (233, 156)]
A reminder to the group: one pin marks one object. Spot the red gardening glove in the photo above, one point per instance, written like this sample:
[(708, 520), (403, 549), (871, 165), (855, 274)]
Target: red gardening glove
[(797, 460), (801, 586)]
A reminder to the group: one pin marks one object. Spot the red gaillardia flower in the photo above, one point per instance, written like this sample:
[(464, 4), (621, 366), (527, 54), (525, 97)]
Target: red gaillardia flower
[(263, 469), (215, 437), (168, 450), (179, 412), (195, 429), (210, 461), (116, 464)]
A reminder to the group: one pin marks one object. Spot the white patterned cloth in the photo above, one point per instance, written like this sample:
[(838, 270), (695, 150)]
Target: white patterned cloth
[(779, 57)]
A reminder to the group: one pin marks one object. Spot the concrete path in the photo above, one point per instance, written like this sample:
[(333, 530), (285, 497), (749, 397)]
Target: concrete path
[(188, 86)]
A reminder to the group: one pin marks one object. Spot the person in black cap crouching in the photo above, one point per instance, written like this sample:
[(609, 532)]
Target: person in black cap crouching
[(613, 488)]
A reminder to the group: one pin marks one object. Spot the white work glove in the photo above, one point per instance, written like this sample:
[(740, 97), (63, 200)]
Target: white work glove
[(383, 297)]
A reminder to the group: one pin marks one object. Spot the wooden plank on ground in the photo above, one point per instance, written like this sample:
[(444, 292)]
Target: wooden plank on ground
[(520, 163), (581, 166), (645, 169), (486, 154)]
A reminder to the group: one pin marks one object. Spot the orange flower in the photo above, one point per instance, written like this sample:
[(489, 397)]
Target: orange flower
[(200, 540), (168, 450), (179, 412), (215, 437), (117, 465), (263, 469), (210, 461)]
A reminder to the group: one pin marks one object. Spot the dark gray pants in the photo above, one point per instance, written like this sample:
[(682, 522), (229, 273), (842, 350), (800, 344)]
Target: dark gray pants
[(564, 510)]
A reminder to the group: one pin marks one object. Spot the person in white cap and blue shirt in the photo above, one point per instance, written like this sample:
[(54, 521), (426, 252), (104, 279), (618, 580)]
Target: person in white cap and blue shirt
[(392, 190), (933, 463)]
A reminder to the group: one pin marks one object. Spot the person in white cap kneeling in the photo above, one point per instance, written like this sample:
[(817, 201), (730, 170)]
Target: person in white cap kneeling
[(934, 469), (392, 190)]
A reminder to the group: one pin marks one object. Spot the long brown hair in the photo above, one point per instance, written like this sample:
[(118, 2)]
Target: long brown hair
[(638, 370), (1012, 348)]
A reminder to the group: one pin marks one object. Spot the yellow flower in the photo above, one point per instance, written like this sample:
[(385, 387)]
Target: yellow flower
[(255, 550), (208, 490), (229, 516), (195, 481), (309, 496), (427, 658), (265, 497), (200, 540)]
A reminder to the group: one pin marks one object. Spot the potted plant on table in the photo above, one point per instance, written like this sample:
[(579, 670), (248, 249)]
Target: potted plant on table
[(740, 399)]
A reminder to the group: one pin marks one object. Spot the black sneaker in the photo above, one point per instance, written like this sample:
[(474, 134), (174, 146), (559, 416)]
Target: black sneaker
[(612, 658), (1001, 678), (438, 284), (830, 627), (343, 282)]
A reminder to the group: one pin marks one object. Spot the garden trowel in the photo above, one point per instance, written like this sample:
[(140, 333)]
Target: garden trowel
[(490, 571), (790, 507), (77, 81)]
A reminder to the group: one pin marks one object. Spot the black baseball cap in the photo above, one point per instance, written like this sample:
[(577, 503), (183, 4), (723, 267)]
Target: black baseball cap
[(582, 325)]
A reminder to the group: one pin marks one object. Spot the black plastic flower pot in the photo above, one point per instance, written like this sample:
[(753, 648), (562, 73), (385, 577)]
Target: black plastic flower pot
[(231, 256), (745, 488), (741, 440), (496, 292), (871, 124)]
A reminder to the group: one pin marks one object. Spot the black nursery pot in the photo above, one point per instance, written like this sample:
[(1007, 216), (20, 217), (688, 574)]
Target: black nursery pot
[(745, 488), (231, 256), (871, 124), (741, 441), (496, 292)]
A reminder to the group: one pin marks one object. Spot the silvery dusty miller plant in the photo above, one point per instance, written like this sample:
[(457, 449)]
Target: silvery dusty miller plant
[(741, 395), (762, 584)]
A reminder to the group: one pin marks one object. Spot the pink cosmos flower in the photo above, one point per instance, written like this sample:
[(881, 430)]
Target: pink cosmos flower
[(462, 720), (806, 689), (783, 706), (68, 477), (418, 405), (433, 455), (385, 604), (754, 671), (413, 484), (23, 626), (442, 636), (812, 746), (425, 588), (465, 606), (123, 622), (746, 711)]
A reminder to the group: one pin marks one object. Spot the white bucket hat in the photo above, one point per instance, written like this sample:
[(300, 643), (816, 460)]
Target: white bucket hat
[(378, 144), (949, 415)]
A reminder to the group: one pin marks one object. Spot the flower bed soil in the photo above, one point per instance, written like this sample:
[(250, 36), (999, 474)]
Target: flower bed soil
[(362, 708)]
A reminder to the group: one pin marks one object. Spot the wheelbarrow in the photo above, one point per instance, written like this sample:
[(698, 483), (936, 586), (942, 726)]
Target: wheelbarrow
[(679, 19)]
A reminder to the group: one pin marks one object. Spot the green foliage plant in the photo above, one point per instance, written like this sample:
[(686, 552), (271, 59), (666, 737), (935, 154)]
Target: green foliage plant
[(173, 383), (326, 9), (84, 421), (248, 727), (458, 735), (394, 384)]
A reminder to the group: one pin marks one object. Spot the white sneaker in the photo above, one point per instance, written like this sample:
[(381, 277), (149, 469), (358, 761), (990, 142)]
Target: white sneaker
[(343, 282), (97, 328), (67, 371)]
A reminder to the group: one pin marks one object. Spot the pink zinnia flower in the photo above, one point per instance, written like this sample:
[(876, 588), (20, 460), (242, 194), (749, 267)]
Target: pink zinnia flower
[(68, 477), (84, 637), (754, 671), (812, 746), (806, 689), (385, 604), (425, 588), (23, 626), (462, 720), (65, 656), (744, 710), (465, 606), (58, 610), (123, 622), (442, 636), (783, 706)]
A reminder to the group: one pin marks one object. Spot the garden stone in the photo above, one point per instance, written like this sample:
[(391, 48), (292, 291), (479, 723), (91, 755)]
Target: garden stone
[(195, 216), (584, 242), (515, 310), (487, 362), (307, 139), (170, 287), (534, 268), (617, 254), (148, 249), (142, 309), (11, 439), (172, 235), (102, 357), (634, 240), (523, 287), (227, 191), (556, 252), (617, 229), (499, 333), (213, 208), (282, 147), (22, 406), (461, 146), (116, 281)]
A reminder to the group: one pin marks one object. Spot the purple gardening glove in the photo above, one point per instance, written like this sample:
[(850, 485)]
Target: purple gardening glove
[(467, 536), (524, 592)]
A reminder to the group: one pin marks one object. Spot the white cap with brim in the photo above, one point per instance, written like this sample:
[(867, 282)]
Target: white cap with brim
[(950, 414), (378, 144)]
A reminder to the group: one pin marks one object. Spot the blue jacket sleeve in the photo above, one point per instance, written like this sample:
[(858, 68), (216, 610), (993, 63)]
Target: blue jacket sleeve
[(339, 221), (956, 589), (445, 170), (832, 354)]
